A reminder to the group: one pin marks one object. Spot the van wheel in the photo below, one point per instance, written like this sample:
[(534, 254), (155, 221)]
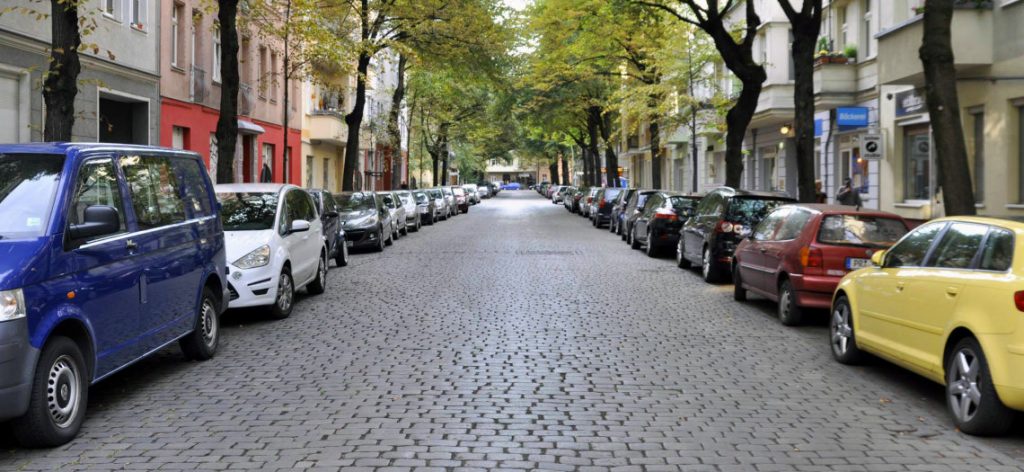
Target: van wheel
[(342, 258), (60, 393), (319, 284), (789, 312), (970, 395), (738, 292), (681, 260), (201, 343), (841, 333), (282, 307)]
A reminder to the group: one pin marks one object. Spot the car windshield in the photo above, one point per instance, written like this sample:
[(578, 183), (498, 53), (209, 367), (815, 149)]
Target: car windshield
[(611, 193), (248, 211), (861, 230), (749, 211), (27, 185), (421, 198), (355, 202)]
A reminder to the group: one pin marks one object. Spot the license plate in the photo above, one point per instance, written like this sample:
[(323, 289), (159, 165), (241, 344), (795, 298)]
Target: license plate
[(349, 243), (854, 263)]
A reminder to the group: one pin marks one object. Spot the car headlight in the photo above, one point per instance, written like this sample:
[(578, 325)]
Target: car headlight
[(12, 305), (257, 258)]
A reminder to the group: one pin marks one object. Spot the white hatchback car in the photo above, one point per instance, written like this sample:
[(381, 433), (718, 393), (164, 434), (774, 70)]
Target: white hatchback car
[(275, 245)]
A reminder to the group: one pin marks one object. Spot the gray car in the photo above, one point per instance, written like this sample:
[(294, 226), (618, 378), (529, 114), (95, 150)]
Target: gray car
[(412, 214), (426, 206), (453, 209), (366, 220), (472, 193), (440, 204), (394, 205)]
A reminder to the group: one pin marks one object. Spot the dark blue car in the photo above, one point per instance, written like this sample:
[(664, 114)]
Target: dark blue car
[(109, 253)]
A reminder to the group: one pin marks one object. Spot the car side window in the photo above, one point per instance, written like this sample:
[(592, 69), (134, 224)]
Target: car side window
[(310, 212), (197, 194), (767, 228), (97, 185), (652, 205), (910, 251), (793, 224), (717, 206), (329, 203), (958, 246), (997, 254), (284, 221), (155, 191)]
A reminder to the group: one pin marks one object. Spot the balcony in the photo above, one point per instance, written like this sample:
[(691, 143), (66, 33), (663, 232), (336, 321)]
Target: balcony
[(835, 85), (245, 99), (972, 38), (774, 105), (327, 127)]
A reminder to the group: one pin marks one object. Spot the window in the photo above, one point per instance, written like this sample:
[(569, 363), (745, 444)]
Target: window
[(216, 54), (138, 14), (262, 70), (109, 8), (958, 246), (327, 169), (272, 76), (793, 225), (299, 207), (866, 52), (997, 253), (843, 28), (768, 226), (155, 191), (97, 185), (268, 158), (916, 160), (861, 230), (979, 156), (197, 194), (910, 251), (176, 12), (309, 171), (178, 137)]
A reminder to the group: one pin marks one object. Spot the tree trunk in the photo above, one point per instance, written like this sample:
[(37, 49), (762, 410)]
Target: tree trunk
[(806, 25), (611, 160), (655, 133), (61, 83), (553, 168), (444, 160), (394, 127), (566, 178), (354, 121), (954, 175), (737, 120), (287, 75), (227, 121), (593, 123)]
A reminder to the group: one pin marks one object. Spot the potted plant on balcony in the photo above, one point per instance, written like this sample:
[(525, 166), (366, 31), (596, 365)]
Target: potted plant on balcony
[(850, 51)]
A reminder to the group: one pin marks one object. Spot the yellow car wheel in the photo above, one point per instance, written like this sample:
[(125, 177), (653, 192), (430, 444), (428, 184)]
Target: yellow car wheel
[(970, 395), (842, 336)]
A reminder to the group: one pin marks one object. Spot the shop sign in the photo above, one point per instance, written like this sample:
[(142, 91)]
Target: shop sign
[(871, 148), (910, 102)]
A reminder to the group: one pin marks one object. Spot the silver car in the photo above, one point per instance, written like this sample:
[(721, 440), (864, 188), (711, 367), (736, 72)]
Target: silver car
[(397, 212), (472, 193), (484, 191), (426, 206), (412, 214), (453, 209), (441, 207)]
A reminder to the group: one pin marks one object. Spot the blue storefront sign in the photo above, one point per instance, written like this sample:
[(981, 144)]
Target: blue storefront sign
[(818, 127), (852, 116)]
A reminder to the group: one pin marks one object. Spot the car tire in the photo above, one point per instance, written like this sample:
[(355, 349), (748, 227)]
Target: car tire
[(681, 259), (790, 313), (633, 242), (651, 249), (380, 240), (391, 238), (419, 224), (342, 258), (970, 395), (738, 292), (842, 336), (285, 300), (54, 418), (405, 229), (319, 283), (708, 270), (201, 343)]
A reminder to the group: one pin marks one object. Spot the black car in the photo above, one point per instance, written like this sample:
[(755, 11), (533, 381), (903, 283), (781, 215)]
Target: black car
[(334, 234), (657, 227), (366, 220), (632, 211), (618, 210), (718, 224), (603, 205)]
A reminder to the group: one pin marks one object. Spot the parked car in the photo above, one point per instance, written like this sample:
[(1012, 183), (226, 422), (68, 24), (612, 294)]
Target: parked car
[(578, 198), (425, 206), (484, 191), (413, 218), (720, 221), (472, 193), (367, 222), (944, 302), (632, 211), (551, 190), (334, 234), (510, 186), (441, 209), (602, 207), (453, 208), (567, 198), (461, 200), (88, 287), (618, 210), (657, 226), (394, 206), (798, 253), (587, 203), (559, 196), (275, 244)]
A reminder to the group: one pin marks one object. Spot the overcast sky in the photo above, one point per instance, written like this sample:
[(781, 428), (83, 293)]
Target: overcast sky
[(517, 4)]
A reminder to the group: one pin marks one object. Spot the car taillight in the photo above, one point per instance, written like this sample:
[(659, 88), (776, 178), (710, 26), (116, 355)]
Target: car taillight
[(1018, 299), (601, 204), (664, 214), (729, 227), (812, 257)]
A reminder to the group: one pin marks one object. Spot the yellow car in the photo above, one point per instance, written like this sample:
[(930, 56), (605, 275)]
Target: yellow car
[(947, 302)]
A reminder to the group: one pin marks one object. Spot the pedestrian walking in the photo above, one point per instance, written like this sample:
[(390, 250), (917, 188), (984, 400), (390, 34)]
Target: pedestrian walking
[(848, 195), (819, 194)]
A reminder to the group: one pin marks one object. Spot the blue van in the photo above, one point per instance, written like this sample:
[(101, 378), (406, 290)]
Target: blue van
[(108, 253)]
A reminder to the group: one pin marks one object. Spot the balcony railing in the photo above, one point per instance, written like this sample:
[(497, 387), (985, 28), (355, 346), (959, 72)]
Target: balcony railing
[(245, 99), (199, 89)]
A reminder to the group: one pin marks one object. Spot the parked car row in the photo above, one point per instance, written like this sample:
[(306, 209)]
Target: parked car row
[(112, 252), (943, 300)]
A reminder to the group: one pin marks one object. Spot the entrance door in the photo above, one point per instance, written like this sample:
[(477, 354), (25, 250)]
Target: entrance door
[(248, 159)]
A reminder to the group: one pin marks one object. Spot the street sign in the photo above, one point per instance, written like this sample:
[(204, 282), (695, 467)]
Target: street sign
[(871, 146)]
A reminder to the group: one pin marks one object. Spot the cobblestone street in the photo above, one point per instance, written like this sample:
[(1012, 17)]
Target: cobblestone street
[(518, 337)]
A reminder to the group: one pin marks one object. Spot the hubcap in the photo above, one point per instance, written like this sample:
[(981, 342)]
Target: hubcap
[(841, 329), (63, 392), (785, 299), (208, 322), (322, 274), (964, 393), (284, 292), (706, 263)]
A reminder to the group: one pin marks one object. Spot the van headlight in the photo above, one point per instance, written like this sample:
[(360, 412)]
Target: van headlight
[(12, 305), (257, 258)]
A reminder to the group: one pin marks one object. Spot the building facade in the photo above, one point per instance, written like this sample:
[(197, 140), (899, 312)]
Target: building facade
[(119, 90), (190, 89)]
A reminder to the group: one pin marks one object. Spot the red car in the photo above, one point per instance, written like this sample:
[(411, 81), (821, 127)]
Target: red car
[(798, 253)]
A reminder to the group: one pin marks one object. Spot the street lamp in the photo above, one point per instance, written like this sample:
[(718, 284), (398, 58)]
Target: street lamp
[(786, 128)]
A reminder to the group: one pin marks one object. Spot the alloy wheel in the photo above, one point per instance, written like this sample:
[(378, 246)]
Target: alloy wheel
[(842, 331), (963, 386), (284, 292), (705, 264)]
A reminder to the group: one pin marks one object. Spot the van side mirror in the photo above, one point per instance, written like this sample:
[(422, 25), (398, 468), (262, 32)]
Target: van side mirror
[(299, 226), (98, 220)]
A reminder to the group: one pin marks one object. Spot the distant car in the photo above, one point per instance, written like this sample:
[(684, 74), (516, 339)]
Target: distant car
[(720, 221), (798, 253), (461, 199), (413, 220), (577, 199), (551, 190), (484, 191), (472, 193), (618, 210), (588, 202), (425, 206), (334, 234), (367, 222), (441, 210), (632, 211), (275, 244), (603, 205), (657, 227), (510, 186), (453, 206), (559, 196), (394, 206)]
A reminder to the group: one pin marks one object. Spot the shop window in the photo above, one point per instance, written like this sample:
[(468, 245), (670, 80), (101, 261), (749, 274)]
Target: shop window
[(916, 163)]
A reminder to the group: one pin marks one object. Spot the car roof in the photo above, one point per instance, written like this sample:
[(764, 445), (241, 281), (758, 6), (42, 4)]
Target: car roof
[(1015, 223), (751, 193), (64, 147), (843, 209), (252, 188)]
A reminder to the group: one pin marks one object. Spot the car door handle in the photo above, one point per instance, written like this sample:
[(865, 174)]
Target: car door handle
[(899, 286), (952, 291), (131, 245)]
